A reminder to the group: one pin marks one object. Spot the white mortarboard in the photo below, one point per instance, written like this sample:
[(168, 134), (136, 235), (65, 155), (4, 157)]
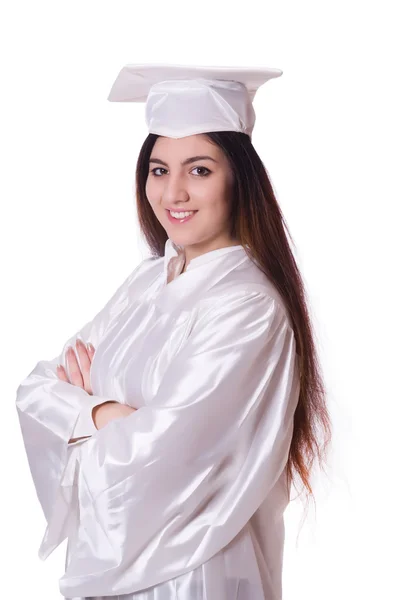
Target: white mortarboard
[(186, 100)]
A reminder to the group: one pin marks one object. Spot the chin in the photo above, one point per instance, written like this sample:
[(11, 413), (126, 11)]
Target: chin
[(181, 239)]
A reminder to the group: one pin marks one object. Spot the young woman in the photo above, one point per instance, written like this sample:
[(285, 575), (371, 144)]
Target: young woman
[(164, 438)]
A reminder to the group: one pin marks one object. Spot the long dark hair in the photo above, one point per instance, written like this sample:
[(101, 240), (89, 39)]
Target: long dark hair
[(258, 223)]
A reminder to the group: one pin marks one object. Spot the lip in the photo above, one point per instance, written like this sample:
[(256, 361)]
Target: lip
[(174, 220)]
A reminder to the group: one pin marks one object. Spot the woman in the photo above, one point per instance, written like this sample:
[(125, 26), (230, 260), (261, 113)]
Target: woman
[(164, 444)]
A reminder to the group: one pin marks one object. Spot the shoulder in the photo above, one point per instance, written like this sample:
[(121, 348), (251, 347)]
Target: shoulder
[(146, 269), (249, 309), (246, 323), (253, 299)]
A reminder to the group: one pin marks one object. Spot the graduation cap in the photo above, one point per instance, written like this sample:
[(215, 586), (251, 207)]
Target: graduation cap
[(186, 100)]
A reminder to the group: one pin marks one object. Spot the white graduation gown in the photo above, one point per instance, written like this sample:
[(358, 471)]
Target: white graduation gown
[(184, 498)]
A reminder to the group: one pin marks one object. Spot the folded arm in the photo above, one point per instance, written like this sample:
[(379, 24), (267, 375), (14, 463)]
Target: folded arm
[(53, 412), (163, 490)]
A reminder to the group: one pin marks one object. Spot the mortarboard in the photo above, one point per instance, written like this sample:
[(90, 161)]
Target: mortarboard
[(185, 100)]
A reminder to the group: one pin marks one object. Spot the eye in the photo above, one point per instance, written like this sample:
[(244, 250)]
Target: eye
[(203, 168), (205, 174), (156, 169)]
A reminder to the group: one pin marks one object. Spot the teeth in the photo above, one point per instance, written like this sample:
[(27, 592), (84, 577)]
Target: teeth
[(181, 215)]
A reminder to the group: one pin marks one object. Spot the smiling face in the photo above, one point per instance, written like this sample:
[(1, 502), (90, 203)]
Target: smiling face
[(191, 174)]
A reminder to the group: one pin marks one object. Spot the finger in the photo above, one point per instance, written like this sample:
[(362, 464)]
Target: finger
[(85, 365), (91, 351), (75, 376), (62, 373)]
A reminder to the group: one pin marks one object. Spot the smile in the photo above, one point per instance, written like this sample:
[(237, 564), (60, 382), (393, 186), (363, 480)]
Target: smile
[(188, 216)]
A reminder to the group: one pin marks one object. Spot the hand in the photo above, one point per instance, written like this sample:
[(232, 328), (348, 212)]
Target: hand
[(103, 413), (108, 411), (80, 377)]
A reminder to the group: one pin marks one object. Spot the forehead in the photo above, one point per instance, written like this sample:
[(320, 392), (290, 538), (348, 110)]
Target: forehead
[(186, 146)]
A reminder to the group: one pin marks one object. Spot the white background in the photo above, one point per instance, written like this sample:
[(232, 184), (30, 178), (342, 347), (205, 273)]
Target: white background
[(326, 131)]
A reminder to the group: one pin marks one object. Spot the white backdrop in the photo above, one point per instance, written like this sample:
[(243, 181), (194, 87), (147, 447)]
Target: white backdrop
[(326, 131)]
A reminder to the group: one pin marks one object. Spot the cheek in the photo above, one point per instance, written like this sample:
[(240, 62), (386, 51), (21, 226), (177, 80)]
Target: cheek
[(215, 195), (148, 188), (152, 191)]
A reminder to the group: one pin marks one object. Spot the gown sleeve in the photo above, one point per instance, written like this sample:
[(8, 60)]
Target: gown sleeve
[(164, 489), (85, 425), (51, 412)]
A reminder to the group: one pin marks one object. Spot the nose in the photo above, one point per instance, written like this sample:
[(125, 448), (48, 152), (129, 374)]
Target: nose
[(174, 191)]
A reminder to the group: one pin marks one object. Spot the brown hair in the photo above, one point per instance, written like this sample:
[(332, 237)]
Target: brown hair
[(258, 223)]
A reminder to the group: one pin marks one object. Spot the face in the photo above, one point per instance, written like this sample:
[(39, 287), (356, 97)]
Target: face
[(191, 174)]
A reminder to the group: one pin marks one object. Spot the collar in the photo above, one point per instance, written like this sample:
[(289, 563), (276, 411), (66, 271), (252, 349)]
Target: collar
[(174, 258)]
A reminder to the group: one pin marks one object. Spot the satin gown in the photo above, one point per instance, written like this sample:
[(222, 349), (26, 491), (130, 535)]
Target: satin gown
[(184, 498)]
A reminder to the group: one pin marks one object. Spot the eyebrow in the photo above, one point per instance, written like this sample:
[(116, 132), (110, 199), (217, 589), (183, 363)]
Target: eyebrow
[(185, 162)]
